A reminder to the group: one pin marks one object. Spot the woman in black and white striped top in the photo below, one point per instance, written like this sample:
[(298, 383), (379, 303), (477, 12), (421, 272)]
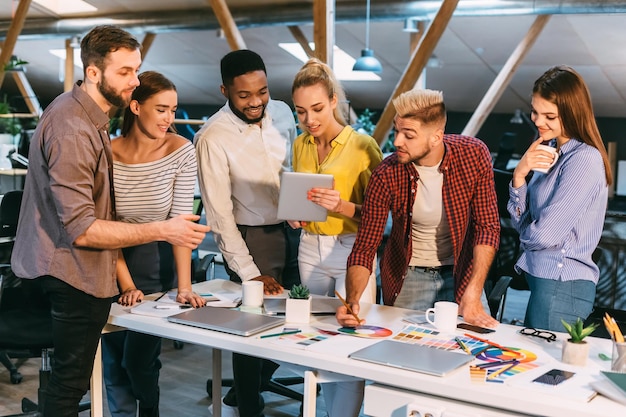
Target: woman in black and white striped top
[(154, 173)]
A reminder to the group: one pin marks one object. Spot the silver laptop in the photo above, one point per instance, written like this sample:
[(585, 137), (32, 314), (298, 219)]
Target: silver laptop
[(319, 305), (412, 357), (226, 320), (292, 200)]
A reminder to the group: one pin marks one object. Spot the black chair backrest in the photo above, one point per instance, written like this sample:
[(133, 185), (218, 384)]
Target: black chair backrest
[(10, 213)]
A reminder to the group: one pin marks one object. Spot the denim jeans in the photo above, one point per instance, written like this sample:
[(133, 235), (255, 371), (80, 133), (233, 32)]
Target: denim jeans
[(77, 322), (551, 300), (421, 288), (130, 363)]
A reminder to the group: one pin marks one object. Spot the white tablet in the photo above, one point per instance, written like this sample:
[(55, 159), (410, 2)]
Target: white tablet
[(292, 201)]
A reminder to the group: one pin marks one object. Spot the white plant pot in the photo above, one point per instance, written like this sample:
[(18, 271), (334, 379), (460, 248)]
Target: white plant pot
[(575, 353), (298, 310)]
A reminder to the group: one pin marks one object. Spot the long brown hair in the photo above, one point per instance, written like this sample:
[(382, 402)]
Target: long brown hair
[(565, 88)]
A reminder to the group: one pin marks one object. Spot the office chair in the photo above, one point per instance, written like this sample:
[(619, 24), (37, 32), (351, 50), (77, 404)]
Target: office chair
[(25, 316), (27, 328), (9, 213)]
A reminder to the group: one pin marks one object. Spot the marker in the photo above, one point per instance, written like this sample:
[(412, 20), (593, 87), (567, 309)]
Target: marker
[(280, 334), (171, 307), (347, 306), (462, 345), (496, 364)]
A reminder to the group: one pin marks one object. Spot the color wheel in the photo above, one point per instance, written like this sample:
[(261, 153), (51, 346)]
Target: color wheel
[(366, 331), (495, 354)]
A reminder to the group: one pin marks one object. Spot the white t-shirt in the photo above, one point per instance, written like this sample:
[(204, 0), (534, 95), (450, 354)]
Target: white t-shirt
[(430, 231)]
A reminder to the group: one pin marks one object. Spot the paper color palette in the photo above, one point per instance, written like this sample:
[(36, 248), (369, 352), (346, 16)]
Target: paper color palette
[(306, 339), (429, 337), (367, 331)]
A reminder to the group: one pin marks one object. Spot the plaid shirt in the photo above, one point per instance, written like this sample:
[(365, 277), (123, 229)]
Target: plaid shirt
[(469, 200)]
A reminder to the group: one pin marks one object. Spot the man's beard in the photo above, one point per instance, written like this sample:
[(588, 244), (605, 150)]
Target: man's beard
[(243, 116), (111, 95)]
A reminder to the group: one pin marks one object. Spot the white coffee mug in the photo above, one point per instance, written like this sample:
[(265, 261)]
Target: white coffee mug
[(252, 293), (446, 313), (547, 167)]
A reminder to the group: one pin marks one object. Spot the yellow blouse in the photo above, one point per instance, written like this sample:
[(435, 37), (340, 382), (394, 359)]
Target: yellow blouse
[(351, 160)]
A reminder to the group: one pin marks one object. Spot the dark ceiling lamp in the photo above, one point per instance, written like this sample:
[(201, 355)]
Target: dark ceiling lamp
[(367, 61)]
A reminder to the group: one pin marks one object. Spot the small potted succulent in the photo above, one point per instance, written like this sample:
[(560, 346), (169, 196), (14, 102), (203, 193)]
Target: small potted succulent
[(575, 349), (298, 308)]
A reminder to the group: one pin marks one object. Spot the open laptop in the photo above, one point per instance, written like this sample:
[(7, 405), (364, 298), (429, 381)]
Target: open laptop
[(319, 305), (292, 200), (225, 320), (413, 357)]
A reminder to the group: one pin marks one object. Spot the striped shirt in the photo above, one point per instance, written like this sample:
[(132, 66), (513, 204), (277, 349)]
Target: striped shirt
[(158, 190), (469, 201), (560, 215)]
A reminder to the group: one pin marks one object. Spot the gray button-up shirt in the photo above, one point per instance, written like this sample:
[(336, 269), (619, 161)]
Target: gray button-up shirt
[(67, 188)]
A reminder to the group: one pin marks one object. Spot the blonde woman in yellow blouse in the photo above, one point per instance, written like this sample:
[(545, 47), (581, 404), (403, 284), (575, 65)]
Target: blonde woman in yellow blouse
[(330, 146)]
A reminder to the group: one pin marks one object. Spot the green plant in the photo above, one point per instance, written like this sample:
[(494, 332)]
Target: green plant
[(576, 330), (10, 125), (299, 291)]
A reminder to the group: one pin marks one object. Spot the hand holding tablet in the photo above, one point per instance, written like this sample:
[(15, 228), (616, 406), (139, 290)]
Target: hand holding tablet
[(293, 203)]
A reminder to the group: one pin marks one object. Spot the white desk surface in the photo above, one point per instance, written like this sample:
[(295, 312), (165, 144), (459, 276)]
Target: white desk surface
[(331, 355)]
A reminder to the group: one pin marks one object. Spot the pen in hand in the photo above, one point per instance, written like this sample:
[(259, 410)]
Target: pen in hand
[(344, 302)]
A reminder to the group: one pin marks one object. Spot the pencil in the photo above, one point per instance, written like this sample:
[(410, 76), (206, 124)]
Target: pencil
[(347, 306), (501, 370), (489, 342)]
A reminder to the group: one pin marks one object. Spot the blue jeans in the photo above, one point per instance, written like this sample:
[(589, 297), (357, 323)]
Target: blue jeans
[(130, 363), (77, 322), (422, 288), (551, 300)]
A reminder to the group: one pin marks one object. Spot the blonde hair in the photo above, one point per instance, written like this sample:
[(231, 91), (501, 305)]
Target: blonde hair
[(425, 106), (315, 72)]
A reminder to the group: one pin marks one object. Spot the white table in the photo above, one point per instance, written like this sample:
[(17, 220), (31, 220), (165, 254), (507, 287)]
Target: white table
[(331, 361)]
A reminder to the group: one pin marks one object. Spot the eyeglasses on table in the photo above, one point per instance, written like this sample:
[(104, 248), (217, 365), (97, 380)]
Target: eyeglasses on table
[(542, 334)]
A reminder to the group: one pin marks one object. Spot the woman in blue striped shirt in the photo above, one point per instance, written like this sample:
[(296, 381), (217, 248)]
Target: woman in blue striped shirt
[(560, 214)]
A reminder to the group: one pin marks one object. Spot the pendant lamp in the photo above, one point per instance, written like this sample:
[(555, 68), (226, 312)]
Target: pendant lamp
[(367, 61)]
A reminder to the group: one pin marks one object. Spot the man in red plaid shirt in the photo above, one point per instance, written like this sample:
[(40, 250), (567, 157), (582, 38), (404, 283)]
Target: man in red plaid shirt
[(439, 189)]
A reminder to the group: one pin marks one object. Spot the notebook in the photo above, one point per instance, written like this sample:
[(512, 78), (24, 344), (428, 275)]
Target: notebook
[(292, 200), (412, 357), (228, 321), (319, 305)]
